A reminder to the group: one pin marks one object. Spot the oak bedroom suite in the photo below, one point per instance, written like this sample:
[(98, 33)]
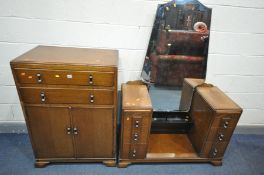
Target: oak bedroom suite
[(157, 87)]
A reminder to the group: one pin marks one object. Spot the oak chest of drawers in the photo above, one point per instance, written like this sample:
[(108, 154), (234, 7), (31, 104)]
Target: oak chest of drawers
[(69, 100)]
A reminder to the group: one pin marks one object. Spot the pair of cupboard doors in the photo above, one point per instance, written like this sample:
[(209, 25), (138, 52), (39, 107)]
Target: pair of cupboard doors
[(71, 132)]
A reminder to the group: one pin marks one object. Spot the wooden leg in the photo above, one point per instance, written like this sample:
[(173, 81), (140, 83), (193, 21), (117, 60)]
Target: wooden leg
[(110, 163), (123, 164), (217, 162), (41, 164)]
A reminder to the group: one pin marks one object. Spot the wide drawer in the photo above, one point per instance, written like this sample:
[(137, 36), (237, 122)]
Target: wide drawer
[(64, 77), (67, 96)]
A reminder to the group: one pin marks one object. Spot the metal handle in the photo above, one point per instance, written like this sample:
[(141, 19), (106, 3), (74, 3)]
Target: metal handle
[(68, 129), (215, 152), (91, 98), (168, 48), (75, 131), (137, 124), (90, 79), (221, 137), (136, 136), (42, 97), (39, 78), (226, 124)]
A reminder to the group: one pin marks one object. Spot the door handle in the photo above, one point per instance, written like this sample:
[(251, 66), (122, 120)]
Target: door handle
[(75, 131), (68, 130)]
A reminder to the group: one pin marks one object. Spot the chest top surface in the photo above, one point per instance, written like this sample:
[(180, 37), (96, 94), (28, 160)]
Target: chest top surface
[(69, 55), (217, 99), (135, 97)]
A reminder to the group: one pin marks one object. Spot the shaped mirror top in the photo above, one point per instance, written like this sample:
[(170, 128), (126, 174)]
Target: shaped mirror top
[(178, 49)]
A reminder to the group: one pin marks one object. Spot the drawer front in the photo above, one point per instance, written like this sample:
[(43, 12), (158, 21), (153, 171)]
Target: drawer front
[(136, 127), (64, 77), (134, 151), (226, 121), (220, 134), (218, 149), (66, 96)]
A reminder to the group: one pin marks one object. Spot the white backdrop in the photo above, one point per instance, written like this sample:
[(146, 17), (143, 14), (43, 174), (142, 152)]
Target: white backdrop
[(236, 53)]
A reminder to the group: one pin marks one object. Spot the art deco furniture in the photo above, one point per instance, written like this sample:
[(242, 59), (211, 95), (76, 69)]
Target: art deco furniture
[(212, 114), (69, 99)]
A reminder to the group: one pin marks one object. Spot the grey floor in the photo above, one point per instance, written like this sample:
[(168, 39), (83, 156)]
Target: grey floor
[(245, 155)]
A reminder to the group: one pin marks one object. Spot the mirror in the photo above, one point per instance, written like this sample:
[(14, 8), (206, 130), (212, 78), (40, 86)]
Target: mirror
[(178, 49)]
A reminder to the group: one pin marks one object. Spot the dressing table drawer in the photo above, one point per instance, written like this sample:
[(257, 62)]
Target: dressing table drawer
[(134, 151)]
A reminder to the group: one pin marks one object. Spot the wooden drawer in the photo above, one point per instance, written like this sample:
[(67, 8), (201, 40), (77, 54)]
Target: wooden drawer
[(214, 149), (134, 151), (218, 149), (220, 134), (66, 96), (226, 121), (64, 77)]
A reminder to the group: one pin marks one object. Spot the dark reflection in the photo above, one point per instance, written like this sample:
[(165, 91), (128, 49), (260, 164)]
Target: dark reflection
[(178, 45), (178, 49)]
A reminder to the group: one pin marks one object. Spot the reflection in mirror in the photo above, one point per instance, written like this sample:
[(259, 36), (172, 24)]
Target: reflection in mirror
[(178, 49)]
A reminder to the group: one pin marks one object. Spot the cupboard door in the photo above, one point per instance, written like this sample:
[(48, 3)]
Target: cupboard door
[(48, 128), (94, 132)]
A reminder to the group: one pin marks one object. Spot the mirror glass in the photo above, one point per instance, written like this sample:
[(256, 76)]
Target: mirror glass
[(178, 49)]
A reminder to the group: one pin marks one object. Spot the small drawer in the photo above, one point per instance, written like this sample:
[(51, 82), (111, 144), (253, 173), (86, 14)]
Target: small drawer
[(225, 122), (136, 136), (220, 134), (218, 149), (64, 77), (136, 120), (66, 96), (134, 151)]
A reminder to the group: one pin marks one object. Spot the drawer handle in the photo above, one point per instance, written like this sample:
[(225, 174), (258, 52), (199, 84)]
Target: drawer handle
[(90, 79), (75, 131), (221, 137), (39, 78), (133, 155), (226, 124), (134, 151), (42, 97), (137, 124), (68, 129), (215, 152), (92, 98), (136, 136)]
